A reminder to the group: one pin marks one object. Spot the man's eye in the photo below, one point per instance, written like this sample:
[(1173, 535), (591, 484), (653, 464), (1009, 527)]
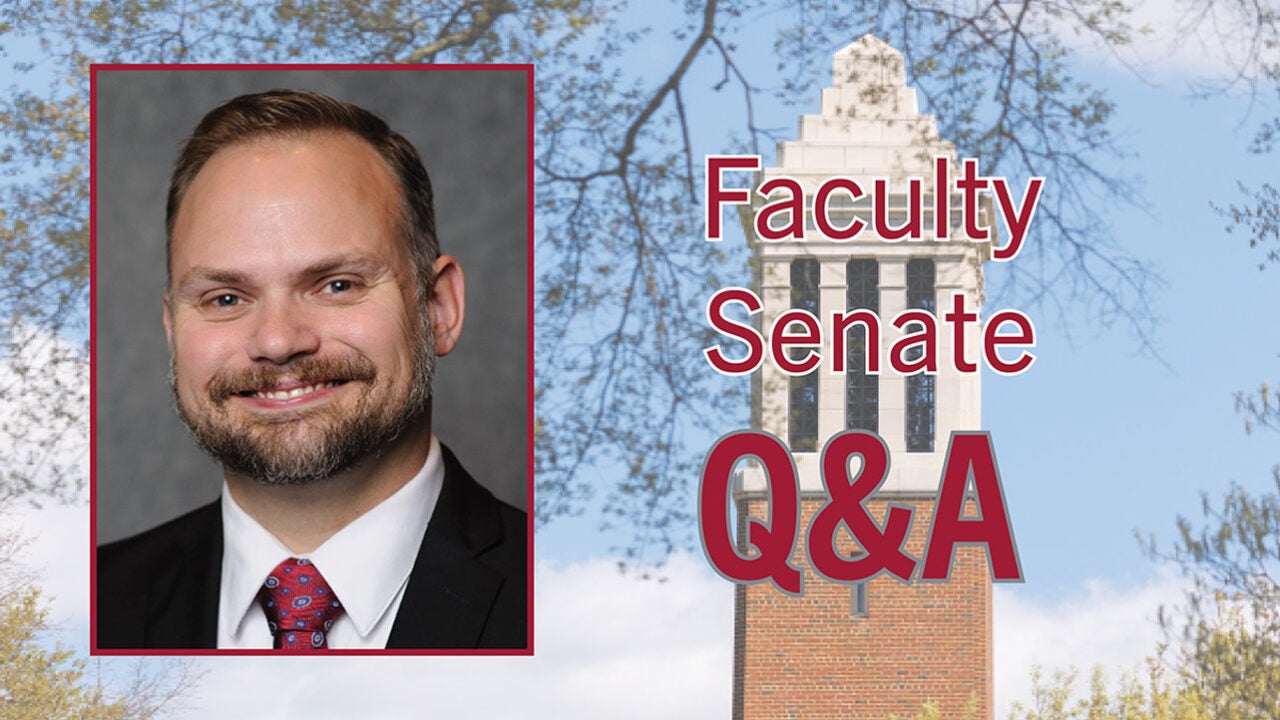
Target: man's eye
[(225, 300), (339, 286)]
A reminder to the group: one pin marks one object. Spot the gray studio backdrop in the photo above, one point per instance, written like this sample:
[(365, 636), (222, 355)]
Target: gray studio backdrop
[(469, 126)]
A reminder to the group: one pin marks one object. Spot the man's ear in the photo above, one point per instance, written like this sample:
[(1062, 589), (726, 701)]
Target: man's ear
[(448, 303)]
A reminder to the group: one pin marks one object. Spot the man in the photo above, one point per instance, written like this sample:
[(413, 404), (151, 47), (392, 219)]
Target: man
[(306, 305)]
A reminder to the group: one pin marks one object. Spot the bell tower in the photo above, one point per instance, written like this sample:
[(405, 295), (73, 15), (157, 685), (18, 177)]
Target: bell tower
[(881, 646)]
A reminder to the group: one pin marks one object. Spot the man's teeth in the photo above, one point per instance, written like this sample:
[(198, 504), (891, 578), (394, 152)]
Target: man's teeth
[(295, 392)]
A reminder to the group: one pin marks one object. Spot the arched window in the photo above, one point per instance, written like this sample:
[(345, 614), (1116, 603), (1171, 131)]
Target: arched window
[(921, 388), (802, 425)]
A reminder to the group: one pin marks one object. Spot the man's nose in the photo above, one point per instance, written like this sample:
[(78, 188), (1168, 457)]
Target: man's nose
[(283, 331)]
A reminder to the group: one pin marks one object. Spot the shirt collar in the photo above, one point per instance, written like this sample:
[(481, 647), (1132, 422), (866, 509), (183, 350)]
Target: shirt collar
[(366, 563)]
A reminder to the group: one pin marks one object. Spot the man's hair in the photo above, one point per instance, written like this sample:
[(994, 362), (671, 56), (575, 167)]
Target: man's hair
[(294, 113)]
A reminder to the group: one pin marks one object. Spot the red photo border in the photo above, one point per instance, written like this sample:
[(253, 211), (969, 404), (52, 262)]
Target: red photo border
[(527, 70)]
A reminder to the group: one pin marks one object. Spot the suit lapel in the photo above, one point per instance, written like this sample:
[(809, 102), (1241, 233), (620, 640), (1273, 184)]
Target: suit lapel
[(450, 591), (182, 599)]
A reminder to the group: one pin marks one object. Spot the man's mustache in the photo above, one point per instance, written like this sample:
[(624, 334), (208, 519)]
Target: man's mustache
[(307, 371)]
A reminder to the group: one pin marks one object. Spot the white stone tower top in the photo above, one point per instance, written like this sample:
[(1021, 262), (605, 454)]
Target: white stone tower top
[(870, 124), (870, 127), (870, 66)]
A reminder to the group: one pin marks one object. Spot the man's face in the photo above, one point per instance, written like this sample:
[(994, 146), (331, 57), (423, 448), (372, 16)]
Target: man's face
[(298, 346)]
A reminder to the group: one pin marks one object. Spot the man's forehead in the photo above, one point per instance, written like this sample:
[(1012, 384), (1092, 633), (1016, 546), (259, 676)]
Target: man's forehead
[(266, 169), (309, 191)]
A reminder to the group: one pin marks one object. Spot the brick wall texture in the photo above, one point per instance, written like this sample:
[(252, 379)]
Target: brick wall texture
[(808, 658)]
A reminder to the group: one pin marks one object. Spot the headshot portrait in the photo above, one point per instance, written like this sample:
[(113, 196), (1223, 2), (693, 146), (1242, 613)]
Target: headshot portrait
[(311, 360)]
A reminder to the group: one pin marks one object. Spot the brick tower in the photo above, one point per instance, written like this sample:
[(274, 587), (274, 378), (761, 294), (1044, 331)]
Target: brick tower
[(878, 647)]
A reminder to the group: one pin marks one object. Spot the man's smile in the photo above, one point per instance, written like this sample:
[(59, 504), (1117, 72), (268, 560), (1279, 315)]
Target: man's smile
[(290, 391), (290, 395), (300, 382)]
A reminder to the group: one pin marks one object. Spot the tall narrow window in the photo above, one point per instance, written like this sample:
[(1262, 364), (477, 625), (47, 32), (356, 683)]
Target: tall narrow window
[(862, 391), (920, 387), (858, 599), (858, 593), (803, 418)]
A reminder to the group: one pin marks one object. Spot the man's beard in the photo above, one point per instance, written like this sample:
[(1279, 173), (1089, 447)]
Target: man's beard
[(299, 448)]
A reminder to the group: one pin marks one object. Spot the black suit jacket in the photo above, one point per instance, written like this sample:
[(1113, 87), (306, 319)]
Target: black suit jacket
[(467, 588)]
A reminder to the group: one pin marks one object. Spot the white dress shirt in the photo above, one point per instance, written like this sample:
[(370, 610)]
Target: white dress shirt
[(366, 563)]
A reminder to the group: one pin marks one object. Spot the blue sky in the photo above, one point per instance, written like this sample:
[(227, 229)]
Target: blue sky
[(1095, 441)]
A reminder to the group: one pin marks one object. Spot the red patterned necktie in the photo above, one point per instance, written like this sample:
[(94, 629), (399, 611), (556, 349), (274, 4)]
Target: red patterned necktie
[(299, 605)]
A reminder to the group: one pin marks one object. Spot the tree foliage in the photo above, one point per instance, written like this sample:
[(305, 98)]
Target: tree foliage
[(1261, 408), (1153, 695), (622, 271), (1134, 697), (43, 680), (1246, 35), (43, 420), (44, 252), (36, 682), (1227, 632), (1230, 624), (1221, 656)]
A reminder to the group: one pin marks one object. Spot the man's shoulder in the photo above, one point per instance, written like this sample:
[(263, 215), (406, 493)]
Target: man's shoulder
[(472, 568), (497, 531), (158, 589), (509, 553), (127, 564)]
